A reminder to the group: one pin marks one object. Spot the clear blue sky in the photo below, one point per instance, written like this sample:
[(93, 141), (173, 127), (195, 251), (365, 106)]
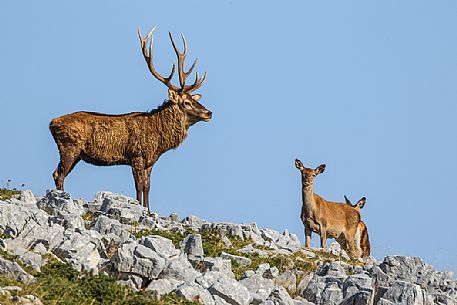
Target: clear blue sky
[(367, 87)]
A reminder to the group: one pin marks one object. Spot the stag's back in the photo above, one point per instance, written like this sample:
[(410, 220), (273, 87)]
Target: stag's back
[(101, 139)]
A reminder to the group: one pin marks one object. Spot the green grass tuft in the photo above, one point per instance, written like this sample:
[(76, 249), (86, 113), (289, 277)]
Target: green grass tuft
[(213, 247), (60, 283), (175, 237), (6, 193)]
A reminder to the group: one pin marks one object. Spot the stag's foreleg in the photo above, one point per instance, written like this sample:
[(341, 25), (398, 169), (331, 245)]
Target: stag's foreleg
[(138, 175), (69, 157), (147, 184)]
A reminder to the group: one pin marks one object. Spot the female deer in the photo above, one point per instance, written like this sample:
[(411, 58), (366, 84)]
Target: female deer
[(328, 219)]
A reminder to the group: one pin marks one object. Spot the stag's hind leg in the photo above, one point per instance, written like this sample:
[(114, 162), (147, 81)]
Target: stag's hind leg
[(69, 157)]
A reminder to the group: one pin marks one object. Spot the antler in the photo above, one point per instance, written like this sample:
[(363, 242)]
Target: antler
[(182, 74), (181, 57), (148, 57)]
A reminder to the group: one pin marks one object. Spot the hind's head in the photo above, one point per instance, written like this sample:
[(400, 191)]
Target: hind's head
[(308, 174)]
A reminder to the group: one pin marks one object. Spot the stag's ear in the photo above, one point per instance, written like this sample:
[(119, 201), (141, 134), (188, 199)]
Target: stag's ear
[(298, 164), (361, 203), (173, 96), (320, 169), (196, 97), (347, 200)]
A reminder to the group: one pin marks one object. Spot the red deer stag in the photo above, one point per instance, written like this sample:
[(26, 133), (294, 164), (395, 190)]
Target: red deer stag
[(137, 139), (362, 241), (328, 219)]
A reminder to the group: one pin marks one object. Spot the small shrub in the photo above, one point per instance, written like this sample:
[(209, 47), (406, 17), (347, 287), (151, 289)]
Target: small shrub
[(213, 245), (88, 216)]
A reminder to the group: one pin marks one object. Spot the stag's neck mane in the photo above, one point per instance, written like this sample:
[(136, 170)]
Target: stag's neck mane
[(171, 123)]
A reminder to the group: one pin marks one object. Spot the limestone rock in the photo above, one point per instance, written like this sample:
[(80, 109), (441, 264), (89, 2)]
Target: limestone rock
[(14, 271), (160, 287), (161, 245), (279, 296), (229, 229), (231, 291), (288, 280), (259, 287), (193, 222), (403, 293), (194, 292), (179, 268), (251, 250), (213, 264), (80, 249), (137, 259), (243, 261), (192, 245), (120, 207)]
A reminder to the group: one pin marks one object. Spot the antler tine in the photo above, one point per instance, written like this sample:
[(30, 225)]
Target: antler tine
[(191, 67), (148, 58), (168, 79), (181, 57), (185, 44), (197, 84)]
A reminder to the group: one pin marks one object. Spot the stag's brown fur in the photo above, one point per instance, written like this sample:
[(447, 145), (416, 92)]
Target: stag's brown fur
[(102, 139), (137, 139), (328, 219)]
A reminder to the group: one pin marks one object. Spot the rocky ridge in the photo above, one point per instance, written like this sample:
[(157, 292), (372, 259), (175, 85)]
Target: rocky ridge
[(203, 262)]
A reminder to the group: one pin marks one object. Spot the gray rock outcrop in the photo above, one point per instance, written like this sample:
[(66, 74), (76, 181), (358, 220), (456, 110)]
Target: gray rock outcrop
[(99, 236)]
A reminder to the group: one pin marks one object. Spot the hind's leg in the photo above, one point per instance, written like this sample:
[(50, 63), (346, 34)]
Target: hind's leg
[(69, 157), (307, 236), (343, 243), (350, 239)]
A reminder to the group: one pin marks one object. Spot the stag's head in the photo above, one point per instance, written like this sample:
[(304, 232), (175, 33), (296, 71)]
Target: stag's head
[(308, 174), (180, 96)]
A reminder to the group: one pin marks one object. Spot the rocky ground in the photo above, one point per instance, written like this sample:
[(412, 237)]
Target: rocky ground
[(193, 259)]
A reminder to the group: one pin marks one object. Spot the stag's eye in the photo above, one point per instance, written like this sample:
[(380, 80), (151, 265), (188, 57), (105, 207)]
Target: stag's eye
[(187, 105)]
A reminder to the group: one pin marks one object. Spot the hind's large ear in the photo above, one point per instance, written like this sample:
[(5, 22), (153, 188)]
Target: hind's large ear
[(347, 200), (361, 202), (320, 169), (298, 164)]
